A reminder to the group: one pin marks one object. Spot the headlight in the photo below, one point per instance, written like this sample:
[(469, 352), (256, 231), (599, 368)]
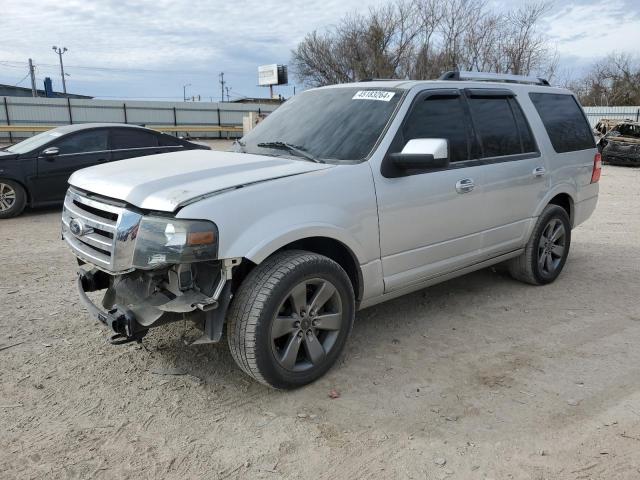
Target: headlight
[(162, 241)]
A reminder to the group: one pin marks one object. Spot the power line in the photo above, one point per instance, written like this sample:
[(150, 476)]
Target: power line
[(23, 79), (115, 69)]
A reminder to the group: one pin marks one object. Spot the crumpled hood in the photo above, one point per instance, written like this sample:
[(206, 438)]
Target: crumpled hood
[(166, 181)]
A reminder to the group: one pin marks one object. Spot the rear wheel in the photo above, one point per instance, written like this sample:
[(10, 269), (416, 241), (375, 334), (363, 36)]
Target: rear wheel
[(290, 319), (547, 249), (13, 199)]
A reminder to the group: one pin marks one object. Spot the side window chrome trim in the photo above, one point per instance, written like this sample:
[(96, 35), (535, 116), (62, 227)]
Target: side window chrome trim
[(491, 160), (133, 148), (81, 153)]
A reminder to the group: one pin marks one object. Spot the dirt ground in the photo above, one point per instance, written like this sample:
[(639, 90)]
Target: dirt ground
[(480, 377)]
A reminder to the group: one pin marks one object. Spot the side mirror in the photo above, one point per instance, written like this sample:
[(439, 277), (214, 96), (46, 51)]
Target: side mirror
[(423, 153), (51, 152)]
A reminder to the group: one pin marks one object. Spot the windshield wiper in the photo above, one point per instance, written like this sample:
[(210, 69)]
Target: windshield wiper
[(296, 150), (240, 144)]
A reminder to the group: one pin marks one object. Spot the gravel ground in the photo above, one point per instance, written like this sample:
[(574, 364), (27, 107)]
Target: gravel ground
[(480, 377)]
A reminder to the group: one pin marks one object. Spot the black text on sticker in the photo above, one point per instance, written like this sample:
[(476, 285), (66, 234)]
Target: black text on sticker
[(373, 95)]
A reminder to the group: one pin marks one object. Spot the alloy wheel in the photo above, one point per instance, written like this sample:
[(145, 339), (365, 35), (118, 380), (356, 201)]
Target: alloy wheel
[(551, 246), (307, 325), (7, 197)]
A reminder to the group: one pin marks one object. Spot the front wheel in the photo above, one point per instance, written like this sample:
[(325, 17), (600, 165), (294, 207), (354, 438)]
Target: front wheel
[(13, 198), (290, 319), (547, 249)]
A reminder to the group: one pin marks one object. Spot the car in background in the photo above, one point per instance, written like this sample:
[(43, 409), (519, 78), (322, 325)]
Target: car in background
[(603, 127), (34, 172), (621, 144)]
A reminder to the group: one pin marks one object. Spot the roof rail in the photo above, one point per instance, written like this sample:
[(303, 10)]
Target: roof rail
[(493, 77)]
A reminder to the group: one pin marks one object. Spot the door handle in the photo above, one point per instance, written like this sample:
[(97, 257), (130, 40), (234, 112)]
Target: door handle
[(539, 171), (465, 185)]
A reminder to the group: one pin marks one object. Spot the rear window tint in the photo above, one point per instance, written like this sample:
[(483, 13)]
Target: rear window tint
[(564, 121)]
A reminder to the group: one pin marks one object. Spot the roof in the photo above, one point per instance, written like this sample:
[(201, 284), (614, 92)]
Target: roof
[(409, 84), (86, 126), (14, 91)]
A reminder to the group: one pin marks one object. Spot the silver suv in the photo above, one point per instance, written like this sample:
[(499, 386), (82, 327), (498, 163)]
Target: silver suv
[(343, 198)]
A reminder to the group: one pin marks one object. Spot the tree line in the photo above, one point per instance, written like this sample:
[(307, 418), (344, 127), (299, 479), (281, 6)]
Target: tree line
[(420, 39)]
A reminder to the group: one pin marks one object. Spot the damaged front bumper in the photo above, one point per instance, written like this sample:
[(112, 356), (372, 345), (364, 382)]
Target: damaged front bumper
[(135, 302)]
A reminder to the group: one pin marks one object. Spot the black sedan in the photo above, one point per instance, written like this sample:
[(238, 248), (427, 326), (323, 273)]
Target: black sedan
[(35, 171)]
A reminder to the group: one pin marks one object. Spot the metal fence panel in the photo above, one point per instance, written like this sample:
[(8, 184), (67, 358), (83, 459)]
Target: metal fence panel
[(594, 114), (60, 111)]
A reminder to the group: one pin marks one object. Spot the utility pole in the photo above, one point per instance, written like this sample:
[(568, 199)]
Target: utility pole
[(60, 51), (227, 89), (184, 92), (222, 82), (34, 92)]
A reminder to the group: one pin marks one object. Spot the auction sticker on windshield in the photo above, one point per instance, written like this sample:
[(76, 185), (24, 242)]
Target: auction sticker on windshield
[(380, 95)]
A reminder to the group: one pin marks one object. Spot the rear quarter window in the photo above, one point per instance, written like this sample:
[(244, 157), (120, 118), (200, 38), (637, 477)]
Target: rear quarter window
[(564, 121), (125, 138)]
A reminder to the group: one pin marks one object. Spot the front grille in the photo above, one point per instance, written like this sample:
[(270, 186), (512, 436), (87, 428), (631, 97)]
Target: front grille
[(98, 231)]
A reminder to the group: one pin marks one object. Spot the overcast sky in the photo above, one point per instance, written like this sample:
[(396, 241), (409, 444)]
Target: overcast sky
[(151, 48)]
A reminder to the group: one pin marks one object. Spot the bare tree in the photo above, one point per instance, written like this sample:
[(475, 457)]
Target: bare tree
[(614, 80), (422, 38)]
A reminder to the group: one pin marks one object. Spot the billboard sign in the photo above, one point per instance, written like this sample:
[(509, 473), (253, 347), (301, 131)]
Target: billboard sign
[(268, 75)]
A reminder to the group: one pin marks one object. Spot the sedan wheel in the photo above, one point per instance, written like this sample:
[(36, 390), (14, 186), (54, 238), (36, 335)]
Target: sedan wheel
[(12, 198), (7, 197)]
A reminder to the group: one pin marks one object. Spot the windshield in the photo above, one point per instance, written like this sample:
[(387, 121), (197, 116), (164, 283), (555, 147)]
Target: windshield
[(34, 142), (341, 123)]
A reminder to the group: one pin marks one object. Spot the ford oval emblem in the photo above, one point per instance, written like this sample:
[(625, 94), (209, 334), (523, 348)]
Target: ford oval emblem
[(76, 227)]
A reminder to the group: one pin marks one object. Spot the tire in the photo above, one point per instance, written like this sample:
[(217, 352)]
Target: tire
[(544, 257), (13, 198), (287, 307)]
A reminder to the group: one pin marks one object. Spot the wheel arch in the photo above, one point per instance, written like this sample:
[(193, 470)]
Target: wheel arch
[(563, 196), (320, 243), (565, 201), (336, 251)]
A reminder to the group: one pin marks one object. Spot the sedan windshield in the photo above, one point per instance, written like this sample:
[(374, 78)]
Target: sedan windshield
[(32, 143), (340, 124)]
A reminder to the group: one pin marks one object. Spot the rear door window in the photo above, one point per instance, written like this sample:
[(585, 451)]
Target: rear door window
[(122, 139), (83, 142), (564, 121), (496, 125)]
